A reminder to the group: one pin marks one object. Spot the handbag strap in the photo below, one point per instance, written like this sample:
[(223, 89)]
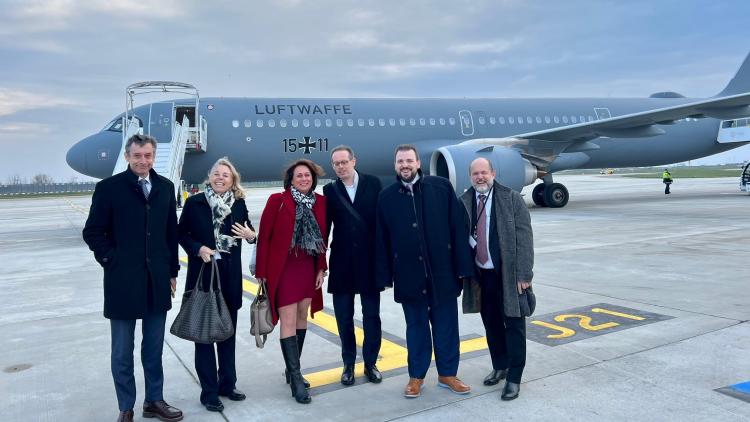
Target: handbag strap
[(260, 339), (214, 274)]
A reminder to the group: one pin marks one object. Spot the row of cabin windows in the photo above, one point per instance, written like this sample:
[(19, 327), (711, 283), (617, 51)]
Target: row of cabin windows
[(422, 121)]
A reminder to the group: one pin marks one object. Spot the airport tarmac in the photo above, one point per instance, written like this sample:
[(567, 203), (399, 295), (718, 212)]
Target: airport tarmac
[(643, 309)]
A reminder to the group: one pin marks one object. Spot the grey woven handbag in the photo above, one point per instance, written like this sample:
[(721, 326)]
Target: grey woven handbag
[(204, 316), (261, 320)]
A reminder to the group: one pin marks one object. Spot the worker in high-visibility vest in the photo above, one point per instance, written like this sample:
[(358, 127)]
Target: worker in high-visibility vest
[(666, 177)]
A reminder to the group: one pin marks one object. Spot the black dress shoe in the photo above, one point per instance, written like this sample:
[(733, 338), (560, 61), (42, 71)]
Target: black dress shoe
[(213, 405), (234, 395), (510, 391), (495, 376), (161, 410), (347, 377), (373, 374)]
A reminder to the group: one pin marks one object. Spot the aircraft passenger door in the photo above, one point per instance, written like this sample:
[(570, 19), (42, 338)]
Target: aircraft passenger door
[(160, 121), (602, 113), (467, 123)]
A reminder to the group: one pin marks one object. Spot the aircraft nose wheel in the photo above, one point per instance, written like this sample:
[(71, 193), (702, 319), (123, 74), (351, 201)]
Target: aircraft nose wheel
[(556, 195)]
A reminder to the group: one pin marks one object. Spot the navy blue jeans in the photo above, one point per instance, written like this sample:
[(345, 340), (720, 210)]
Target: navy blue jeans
[(443, 317), (123, 343), (343, 308)]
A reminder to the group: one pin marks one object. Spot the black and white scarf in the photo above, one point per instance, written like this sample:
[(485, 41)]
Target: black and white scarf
[(221, 207), (306, 230)]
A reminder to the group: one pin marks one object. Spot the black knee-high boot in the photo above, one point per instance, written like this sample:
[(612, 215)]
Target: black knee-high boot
[(300, 342), (290, 350)]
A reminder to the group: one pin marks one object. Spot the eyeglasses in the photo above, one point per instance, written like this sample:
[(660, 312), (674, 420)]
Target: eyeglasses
[(340, 163)]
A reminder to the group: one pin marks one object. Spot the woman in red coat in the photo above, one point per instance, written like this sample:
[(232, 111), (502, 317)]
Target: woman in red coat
[(291, 258)]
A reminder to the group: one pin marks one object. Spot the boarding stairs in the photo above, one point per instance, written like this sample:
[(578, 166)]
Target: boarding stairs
[(173, 140)]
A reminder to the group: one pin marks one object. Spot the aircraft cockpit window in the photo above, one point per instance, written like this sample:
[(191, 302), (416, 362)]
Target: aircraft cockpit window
[(282, 122), (271, 123), (235, 123), (114, 126), (248, 123)]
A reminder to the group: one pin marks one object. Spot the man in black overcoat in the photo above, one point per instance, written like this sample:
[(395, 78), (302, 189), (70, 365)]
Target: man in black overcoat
[(132, 230), (351, 204), (422, 252)]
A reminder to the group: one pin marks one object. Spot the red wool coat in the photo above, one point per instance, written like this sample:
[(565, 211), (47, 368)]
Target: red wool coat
[(275, 236)]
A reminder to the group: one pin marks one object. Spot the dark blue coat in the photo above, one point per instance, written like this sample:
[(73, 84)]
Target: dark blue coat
[(134, 240), (422, 245), (196, 229), (351, 263)]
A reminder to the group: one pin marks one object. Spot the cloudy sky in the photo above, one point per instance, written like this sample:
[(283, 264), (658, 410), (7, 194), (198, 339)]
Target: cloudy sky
[(65, 63)]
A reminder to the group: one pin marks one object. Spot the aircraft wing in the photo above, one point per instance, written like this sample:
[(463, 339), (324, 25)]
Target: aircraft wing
[(644, 124), (543, 146)]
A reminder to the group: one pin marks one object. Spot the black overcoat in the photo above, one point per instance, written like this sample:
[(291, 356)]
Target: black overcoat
[(134, 239), (421, 241), (351, 262), (196, 230)]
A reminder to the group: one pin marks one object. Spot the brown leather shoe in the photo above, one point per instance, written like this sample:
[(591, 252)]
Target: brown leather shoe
[(414, 388), (454, 384), (160, 409), (125, 416)]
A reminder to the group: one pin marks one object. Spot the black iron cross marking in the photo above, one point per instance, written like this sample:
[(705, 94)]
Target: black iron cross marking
[(307, 145)]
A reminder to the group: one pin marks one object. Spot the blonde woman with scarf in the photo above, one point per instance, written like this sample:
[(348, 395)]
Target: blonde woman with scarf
[(214, 223)]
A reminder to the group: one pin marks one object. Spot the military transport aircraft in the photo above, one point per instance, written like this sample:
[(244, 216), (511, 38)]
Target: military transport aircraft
[(526, 139)]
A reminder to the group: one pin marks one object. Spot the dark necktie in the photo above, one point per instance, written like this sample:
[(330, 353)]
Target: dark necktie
[(145, 187), (482, 257)]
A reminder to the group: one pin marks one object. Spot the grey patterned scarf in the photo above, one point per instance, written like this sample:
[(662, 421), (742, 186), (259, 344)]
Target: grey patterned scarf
[(221, 207), (306, 230)]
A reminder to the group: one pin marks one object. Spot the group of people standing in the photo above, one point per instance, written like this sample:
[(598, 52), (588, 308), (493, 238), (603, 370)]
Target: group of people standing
[(415, 236)]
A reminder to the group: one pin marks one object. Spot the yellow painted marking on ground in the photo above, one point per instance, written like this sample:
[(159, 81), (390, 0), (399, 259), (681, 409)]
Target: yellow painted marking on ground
[(564, 332), (619, 314), (585, 322)]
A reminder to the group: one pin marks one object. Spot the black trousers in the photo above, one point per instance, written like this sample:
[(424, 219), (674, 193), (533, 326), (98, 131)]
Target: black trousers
[(343, 308), (506, 336), (212, 381)]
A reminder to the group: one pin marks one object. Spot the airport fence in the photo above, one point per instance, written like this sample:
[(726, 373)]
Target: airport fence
[(46, 189)]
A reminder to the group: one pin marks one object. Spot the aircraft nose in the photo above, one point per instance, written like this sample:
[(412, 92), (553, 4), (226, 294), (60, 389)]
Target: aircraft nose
[(76, 157)]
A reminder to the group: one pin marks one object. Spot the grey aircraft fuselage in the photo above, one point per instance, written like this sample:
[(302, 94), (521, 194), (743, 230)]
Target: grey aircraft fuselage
[(261, 135)]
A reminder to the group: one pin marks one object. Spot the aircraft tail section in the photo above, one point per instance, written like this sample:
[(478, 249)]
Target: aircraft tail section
[(740, 84)]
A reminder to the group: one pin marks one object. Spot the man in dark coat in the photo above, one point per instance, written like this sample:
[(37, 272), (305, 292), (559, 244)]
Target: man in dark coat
[(132, 230), (352, 201), (503, 246), (422, 252)]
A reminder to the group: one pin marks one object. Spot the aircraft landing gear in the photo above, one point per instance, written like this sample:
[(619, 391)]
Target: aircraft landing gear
[(549, 194)]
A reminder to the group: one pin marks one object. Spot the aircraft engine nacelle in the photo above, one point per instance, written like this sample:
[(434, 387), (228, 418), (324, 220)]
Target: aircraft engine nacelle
[(452, 162)]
